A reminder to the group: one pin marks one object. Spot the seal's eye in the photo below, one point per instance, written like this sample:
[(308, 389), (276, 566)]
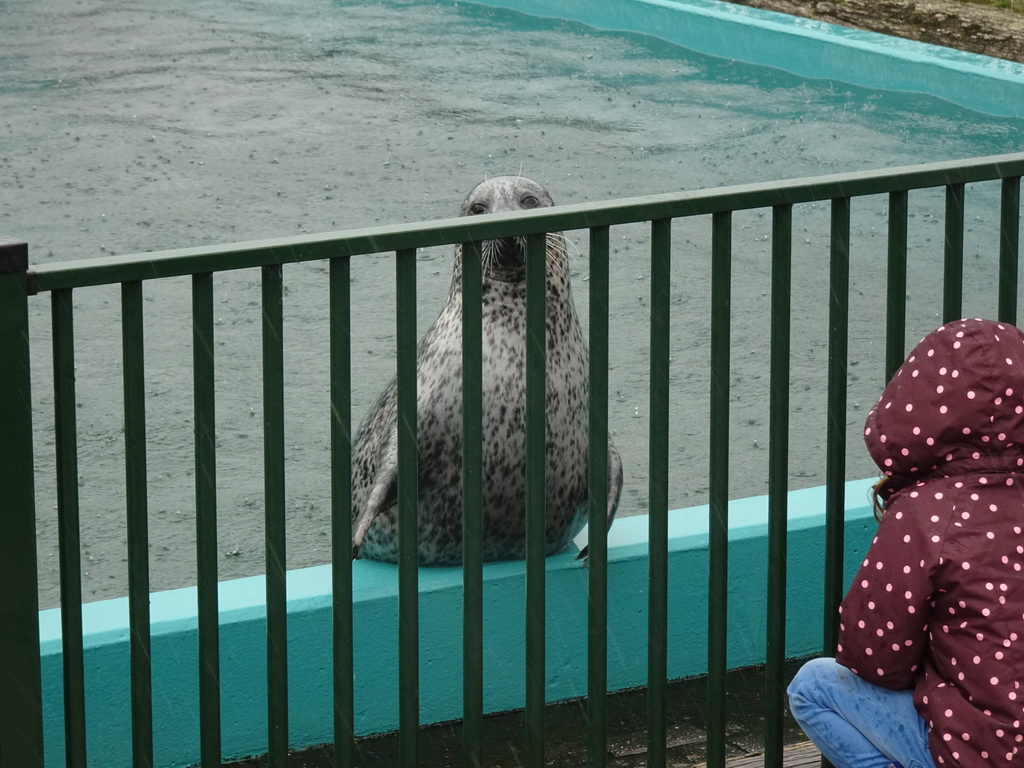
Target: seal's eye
[(477, 208), (529, 201)]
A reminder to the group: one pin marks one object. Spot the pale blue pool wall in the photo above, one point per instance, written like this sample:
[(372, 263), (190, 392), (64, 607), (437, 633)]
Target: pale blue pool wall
[(243, 634), (803, 47)]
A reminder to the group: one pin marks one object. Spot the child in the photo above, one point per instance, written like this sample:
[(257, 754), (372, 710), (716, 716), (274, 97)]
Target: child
[(930, 662)]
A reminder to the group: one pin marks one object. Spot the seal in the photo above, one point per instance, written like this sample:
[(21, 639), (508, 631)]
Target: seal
[(439, 411)]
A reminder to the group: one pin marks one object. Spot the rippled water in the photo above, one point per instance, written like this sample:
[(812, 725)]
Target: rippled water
[(134, 126)]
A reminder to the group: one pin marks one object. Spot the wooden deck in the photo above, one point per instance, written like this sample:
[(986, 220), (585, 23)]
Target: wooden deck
[(802, 755)]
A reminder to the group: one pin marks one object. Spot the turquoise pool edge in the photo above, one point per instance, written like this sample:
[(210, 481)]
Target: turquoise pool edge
[(243, 638), (803, 47)]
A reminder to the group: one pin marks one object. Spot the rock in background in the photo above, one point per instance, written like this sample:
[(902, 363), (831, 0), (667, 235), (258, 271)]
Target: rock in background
[(993, 30)]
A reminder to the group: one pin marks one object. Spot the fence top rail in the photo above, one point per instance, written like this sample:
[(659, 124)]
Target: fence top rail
[(188, 261)]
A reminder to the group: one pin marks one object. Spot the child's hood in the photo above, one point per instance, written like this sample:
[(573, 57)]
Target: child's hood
[(955, 406)]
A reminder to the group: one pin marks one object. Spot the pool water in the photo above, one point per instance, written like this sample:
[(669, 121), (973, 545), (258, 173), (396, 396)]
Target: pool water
[(133, 127)]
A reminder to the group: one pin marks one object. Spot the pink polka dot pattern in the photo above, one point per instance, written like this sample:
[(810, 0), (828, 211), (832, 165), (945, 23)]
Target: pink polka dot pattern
[(967, 404), (938, 603)]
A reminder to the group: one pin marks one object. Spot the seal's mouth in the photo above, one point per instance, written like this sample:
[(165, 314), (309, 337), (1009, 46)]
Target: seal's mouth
[(505, 258), (507, 255)]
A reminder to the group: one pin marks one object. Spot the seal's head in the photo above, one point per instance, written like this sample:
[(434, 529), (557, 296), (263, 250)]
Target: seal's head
[(502, 194)]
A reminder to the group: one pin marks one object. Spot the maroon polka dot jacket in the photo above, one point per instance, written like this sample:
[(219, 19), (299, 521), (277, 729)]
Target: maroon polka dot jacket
[(938, 603)]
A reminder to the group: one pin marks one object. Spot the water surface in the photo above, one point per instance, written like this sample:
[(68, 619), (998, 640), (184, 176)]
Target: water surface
[(134, 127)]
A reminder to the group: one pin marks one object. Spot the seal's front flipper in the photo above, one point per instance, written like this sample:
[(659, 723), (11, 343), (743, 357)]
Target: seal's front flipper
[(383, 496), (614, 482), (614, 491)]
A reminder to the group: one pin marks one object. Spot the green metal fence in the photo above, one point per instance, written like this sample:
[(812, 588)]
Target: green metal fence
[(21, 699)]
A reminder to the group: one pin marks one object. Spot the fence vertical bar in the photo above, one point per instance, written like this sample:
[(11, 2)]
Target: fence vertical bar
[(21, 715), (778, 475), (536, 466), (206, 519), (953, 261), (835, 433), (1009, 248), (597, 502), (341, 510), (66, 444), (133, 344), (408, 557), (657, 610), (274, 513), (718, 484), (472, 508), (896, 283)]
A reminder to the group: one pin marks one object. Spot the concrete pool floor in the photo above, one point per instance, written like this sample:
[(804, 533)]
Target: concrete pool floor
[(565, 745)]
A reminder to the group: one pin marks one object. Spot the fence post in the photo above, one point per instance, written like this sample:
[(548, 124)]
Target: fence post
[(21, 715)]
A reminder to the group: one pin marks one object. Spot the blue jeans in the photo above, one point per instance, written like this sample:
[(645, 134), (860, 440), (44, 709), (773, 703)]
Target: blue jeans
[(856, 724)]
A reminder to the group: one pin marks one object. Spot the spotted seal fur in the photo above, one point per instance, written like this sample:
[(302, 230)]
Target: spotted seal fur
[(439, 405)]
